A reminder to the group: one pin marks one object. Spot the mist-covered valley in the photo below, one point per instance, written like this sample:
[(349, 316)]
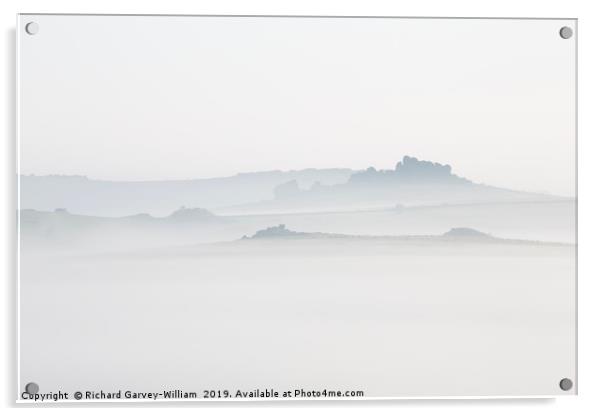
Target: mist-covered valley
[(303, 311), (347, 284), (61, 230), (415, 198)]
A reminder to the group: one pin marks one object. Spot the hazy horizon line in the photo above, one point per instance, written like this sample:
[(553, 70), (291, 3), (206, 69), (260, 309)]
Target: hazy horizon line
[(208, 178)]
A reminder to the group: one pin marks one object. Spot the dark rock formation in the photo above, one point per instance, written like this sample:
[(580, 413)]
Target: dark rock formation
[(278, 231), (464, 232), (409, 170)]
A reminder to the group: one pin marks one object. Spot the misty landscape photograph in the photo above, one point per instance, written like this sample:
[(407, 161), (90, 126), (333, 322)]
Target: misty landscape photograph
[(343, 204), (294, 264)]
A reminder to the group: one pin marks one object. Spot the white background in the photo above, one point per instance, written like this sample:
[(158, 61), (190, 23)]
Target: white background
[(590, 306)]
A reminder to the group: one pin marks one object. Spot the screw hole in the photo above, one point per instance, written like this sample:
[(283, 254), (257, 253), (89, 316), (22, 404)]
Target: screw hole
[(32, 388), (32, 28), (566, 32), (566, 384)]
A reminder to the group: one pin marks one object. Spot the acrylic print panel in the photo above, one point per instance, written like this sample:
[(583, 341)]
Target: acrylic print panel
[(218, 207)]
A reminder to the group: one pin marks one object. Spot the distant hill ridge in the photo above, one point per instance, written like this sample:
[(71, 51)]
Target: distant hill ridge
[(181, 215), (462, 233), (86, 196), (408, 171), (412, 182)]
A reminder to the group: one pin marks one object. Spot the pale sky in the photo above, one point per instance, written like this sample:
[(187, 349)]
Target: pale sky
[(149, 98)]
